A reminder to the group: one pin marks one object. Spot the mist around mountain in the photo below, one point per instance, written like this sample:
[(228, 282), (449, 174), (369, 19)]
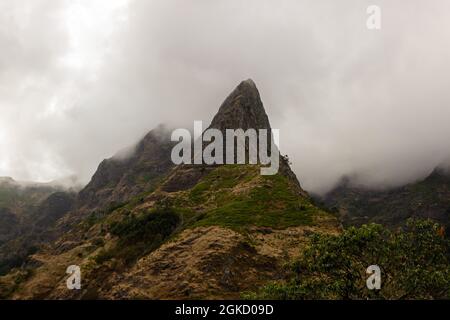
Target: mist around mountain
[(17, 201), (428, 198), (27, 213), (144, 228)]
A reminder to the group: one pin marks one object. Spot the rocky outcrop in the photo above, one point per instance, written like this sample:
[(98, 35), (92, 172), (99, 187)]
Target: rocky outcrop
[(242, 109), (126, 175)]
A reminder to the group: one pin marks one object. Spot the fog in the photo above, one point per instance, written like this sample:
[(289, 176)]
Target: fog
[(80, 80)]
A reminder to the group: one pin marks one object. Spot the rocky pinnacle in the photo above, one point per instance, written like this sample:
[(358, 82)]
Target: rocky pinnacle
[(242, 109)]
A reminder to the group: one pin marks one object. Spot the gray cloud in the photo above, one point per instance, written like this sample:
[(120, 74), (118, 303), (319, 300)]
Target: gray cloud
[(347, 100)]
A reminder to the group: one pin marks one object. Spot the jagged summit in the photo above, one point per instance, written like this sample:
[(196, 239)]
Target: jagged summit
[(242, 109), (137, 169), (131, 171)]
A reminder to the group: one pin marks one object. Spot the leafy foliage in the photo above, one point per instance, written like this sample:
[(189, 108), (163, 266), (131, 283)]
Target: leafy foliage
[(415, 264)]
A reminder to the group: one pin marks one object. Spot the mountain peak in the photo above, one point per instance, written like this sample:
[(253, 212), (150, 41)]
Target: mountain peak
[(249, 82), (130, 171), (242, 109)]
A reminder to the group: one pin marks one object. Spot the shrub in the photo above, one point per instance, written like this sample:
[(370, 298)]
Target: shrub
[(415, 264), (138, 235)]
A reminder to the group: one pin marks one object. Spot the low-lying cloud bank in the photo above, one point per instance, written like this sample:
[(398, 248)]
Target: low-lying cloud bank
[(80, 80)]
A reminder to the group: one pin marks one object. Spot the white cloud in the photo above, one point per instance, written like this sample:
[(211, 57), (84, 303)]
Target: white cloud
[(81, 79)]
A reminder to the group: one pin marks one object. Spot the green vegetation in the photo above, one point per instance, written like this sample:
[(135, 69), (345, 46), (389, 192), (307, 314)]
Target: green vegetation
[(138, 235), (415, 264), (101, 215), (270, 202), (17, 258), (232, 196), (144, 227), (222, 179)]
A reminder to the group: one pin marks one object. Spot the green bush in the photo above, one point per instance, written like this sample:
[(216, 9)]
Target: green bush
[(139, 235), (414, 262)]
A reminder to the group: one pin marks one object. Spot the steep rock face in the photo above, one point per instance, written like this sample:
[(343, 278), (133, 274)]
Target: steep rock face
[(242, 109), (52, 209), (122, 177), (429, 198)]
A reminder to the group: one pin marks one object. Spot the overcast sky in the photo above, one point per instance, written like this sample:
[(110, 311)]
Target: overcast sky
[(81, 79)]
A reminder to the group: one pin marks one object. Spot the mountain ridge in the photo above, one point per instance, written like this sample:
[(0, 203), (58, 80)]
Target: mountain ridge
[(117, 225), (427, 198)]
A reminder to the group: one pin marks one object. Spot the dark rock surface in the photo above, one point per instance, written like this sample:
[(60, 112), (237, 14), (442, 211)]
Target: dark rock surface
[(242, 109), (119, 178)]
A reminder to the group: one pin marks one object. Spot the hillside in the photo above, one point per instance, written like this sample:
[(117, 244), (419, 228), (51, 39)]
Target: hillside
[(428, 198), (27, 213), (18, 197), (144, 228)]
